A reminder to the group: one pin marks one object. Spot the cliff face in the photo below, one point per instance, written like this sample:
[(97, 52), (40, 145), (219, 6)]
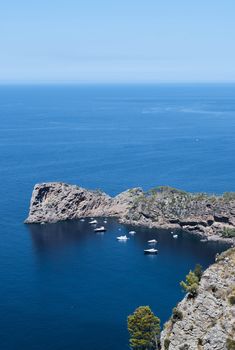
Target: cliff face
[(208, 321), (172, 208), (52, 202), (163, 207)]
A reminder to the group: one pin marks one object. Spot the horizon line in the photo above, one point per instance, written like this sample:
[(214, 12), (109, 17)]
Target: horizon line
[(67, 82)]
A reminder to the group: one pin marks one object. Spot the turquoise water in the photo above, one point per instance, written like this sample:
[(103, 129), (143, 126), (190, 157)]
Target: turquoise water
[(62, 286)]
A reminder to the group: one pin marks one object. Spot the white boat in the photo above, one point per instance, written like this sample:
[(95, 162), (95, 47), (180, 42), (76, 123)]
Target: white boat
[(93, 222), (150, 251), (175, 236), (122, 238), (82, 220), (100, 229), (132, 232), (152, 241), (105, 221)]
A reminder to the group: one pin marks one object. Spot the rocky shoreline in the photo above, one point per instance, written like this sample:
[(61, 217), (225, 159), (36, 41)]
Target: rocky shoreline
[(212, 217), (204, 322)]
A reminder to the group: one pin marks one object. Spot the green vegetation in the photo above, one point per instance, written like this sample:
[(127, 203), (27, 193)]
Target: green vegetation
[(190, 285), (231, 297), (230, 254), (168, 189), (198, 271), (144, 329), (166, 343), (200, 342), (230, 344), (177, 315), (229, 196), (200, 196), (228, 232)]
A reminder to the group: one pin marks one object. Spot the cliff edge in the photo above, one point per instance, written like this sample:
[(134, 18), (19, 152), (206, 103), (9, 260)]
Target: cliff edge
[(206, 322), (210, 216)]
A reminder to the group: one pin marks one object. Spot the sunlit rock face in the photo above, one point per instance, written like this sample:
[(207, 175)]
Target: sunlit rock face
[(163, 207), (207, 321), (52, 202)]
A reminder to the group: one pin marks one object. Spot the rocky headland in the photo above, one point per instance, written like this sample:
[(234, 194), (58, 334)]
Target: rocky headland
[(206, 322), (203, 322), (211, 216)]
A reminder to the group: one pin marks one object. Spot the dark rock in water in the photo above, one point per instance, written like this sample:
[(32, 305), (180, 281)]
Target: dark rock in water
[(163, 207)]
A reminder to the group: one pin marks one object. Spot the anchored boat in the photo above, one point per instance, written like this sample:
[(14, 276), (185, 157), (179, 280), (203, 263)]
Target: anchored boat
[(93, 222), (152, 241), (150, 251), (100, 229), (122, 238)]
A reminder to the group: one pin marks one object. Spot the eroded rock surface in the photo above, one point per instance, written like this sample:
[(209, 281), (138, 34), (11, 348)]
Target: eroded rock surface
[(208, 320), (209, 216), (52, 202)]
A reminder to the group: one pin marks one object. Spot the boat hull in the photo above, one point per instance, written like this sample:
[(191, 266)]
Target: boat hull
[(147, 252)]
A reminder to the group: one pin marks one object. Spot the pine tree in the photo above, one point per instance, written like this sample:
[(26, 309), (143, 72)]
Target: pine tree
[(191, 284), (198, 271), (144, 329)]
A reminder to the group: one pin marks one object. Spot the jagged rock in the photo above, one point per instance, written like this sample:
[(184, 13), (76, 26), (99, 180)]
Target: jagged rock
[(163, 207), (208, 320), (52, 202)]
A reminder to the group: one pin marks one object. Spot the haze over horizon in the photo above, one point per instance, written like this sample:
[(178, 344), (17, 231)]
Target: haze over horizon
[(117, 42)]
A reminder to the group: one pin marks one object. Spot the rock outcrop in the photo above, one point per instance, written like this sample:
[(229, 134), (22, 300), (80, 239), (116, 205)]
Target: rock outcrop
[(212, 217), (55, 201), (206, 322)]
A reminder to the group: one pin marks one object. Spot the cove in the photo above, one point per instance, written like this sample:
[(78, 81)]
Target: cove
[(85, 284)]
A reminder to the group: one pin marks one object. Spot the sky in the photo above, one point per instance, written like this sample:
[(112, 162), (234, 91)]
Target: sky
[(117, 41)]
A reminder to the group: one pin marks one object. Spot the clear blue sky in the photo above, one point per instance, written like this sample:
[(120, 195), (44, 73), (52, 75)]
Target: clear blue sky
[(117, 41)]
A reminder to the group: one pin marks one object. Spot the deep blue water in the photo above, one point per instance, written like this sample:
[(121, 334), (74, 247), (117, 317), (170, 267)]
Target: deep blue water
[(62, 286)]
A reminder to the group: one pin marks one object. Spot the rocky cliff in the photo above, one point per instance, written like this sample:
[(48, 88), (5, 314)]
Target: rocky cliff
[(52, 202), (206, 322), (210, 216)]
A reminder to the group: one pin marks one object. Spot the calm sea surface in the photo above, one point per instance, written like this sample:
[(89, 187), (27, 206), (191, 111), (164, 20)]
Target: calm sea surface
[(63, 287)]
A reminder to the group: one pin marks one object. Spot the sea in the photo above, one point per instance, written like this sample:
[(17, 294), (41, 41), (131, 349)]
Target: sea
[(62, 286)]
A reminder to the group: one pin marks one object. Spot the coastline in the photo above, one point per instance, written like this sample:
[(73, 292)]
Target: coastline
[(163, 207)]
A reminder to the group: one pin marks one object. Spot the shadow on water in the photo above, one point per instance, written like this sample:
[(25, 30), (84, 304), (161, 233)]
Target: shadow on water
[(49, 237)]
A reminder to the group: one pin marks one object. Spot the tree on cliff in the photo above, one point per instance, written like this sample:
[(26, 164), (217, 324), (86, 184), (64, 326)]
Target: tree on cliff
[(144, 329), (191, 284), (198, 271)]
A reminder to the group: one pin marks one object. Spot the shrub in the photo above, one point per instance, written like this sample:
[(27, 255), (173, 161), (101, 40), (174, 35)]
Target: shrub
[(228, 232), (167, 189), (231, 299), (144, 329), (198, 271), (199, 341), (166, 343), (230, 344), (191, 284), (177, 315), (229, 196)]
